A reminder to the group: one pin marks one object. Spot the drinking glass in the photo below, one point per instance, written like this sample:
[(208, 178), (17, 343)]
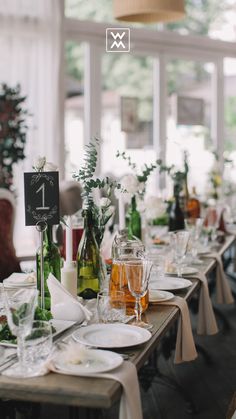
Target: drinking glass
[(179, 241), (111, 306), (20, 304), (138, 274), (194, 227), (38, 346)]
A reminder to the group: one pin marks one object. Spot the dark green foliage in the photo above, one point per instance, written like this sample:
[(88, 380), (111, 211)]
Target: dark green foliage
[(86, 174), (12, 132)]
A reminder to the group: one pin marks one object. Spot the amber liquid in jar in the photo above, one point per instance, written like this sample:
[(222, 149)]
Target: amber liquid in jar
[(118, 281)]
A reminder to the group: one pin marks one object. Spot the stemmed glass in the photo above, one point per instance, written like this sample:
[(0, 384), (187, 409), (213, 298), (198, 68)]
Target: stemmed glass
[(180, 242), (138, 274), (20, 304), (194, 227)]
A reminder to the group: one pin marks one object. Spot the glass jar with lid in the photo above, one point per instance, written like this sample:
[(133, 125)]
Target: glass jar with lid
[(125, 248)]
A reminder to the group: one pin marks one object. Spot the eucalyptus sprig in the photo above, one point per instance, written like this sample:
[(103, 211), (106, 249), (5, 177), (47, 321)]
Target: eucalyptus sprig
[(86, 175), (147, 170)]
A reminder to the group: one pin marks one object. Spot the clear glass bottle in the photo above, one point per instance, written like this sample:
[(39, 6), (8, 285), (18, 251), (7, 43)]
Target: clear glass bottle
[(88, 260), (52, 263), (125, 248), (134, 220)]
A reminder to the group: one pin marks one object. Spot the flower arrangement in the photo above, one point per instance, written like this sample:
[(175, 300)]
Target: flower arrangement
[(215, 177), (156, 210), (103, 211), (41, 165), (136, 183), (13, 130)]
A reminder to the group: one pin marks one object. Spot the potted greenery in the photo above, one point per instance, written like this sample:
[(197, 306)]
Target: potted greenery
[(12, 132)]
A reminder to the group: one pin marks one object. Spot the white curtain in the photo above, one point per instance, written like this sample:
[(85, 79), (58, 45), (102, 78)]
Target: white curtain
[(31, 48)]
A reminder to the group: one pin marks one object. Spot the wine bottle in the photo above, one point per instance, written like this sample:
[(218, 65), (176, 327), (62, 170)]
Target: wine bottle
[(88, 260), (176, 215), (193, 205), (134, 220), (52, 264)]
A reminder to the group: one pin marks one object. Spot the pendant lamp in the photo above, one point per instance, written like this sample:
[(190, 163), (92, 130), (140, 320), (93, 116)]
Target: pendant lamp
[(148, 11)]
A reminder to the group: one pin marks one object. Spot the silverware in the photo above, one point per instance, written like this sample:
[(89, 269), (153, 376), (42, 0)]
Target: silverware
[(8, 363)]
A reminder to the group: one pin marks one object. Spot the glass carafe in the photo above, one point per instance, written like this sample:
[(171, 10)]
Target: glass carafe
[(123, 249)]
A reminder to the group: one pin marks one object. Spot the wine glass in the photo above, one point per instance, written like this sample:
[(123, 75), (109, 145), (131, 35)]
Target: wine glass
[(194, 227), (180, 242), (138, 274), (20, 304)]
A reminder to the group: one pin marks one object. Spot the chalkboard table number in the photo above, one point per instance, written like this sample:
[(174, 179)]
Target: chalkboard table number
[(41, 209), (41, 198)]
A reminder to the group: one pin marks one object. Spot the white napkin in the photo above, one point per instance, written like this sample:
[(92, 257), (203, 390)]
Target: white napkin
[(65, 303), (185, 349), (21, 278), (126, 375), (223, 291), (206, 324)]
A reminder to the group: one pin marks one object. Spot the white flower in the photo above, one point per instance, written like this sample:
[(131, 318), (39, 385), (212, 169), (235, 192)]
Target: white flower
[(104, 202), (155, 207), (130, 183), (110, 211), (50, 167), (39, 163), (141, 187)]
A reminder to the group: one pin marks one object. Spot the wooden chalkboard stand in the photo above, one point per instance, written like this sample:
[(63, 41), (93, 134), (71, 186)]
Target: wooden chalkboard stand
[(41, 226)]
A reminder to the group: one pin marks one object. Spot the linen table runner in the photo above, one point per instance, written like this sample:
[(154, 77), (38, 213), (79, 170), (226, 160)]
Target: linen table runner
[(223, 291), (185, 349)]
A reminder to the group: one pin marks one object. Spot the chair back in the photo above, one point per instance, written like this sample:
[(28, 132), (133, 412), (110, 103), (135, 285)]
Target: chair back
[(8, 260)]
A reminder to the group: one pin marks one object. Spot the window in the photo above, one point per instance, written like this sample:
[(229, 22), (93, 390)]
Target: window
[(74, 107)]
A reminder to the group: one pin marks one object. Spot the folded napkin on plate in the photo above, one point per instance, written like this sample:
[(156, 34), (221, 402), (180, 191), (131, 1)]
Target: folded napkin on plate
[(185, 349), (125, 374), (206, 324), (223, 291), (21, 278), (63, 305)]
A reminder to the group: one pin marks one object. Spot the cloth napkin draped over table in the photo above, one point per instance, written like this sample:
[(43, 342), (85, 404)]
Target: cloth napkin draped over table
[(206, 324), (223, 291), (126, 375), (185, 349)]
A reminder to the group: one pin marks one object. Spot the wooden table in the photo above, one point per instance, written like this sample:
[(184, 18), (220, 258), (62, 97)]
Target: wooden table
[(101, 393)]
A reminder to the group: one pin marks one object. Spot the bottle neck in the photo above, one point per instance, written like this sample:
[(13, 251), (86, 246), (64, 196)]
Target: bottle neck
[(133, 203), (88, 219), (48, 235)]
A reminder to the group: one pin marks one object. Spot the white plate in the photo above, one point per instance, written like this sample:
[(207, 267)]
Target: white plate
[(185, 271), (19, 280), (204, 251), (95, 361), (111, 335), (156, 296), (170, 283), (60, 326)]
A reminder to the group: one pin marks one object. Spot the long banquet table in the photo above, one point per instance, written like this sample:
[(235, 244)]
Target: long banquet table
[(102, 393)]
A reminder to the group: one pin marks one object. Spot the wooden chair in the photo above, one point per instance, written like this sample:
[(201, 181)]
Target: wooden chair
[(8, 260)]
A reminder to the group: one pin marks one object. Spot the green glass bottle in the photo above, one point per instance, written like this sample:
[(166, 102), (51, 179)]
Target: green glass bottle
[(88, 260), (52, 263), (134, 220)]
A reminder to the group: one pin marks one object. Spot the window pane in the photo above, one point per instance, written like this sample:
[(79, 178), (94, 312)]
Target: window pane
[(74, 107), (208, 18), (189, 118), (230, 127), (127, 111)]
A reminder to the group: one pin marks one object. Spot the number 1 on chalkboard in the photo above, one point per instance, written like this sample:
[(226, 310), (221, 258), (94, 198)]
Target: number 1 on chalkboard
[(42, 188)]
